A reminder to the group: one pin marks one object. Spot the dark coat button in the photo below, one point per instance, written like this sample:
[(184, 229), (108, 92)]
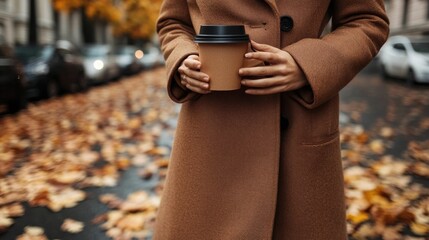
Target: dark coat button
[(286, 23), (284, 122)]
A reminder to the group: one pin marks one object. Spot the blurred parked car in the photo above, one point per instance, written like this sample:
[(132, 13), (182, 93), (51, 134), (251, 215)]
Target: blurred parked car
[(406, 57), (152, 57), (52, 69), (128, 59), (12, 89), (100, 64)]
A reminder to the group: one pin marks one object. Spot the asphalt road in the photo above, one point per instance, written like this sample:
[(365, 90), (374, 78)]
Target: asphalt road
[(376, 102), (368, 100)]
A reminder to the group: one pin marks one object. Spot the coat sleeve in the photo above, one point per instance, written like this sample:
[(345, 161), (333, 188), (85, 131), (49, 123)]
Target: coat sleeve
[(176, 34), (359, 29)]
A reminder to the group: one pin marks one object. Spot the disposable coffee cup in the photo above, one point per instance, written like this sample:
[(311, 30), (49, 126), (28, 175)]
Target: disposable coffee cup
[(222, 49)]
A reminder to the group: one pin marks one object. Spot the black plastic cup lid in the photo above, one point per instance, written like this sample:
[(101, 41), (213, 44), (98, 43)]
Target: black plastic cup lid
[(222, 34)]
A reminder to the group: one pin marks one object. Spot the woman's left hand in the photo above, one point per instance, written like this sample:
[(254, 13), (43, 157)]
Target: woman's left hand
[(281, 74)]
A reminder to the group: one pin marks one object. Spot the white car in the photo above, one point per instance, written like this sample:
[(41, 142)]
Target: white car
[(406, 57)]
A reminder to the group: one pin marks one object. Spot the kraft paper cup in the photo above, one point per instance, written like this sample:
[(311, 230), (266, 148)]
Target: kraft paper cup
[(222, 49)]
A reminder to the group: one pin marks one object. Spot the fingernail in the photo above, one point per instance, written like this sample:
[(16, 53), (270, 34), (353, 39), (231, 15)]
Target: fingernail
[(206, 79), (248, 55), (240, 71), (243, 82), (205, 85)]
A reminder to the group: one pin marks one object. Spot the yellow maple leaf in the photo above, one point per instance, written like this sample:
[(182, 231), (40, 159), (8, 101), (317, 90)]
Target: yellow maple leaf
[(358, 218), (419, 229)]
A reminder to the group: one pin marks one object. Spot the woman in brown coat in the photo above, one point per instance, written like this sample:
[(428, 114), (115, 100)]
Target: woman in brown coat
[(263, 162)]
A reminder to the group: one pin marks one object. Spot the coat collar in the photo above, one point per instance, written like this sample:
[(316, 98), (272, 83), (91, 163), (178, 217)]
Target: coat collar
[(273, 5)]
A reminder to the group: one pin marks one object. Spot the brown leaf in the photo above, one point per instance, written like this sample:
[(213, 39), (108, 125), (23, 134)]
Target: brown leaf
[(389, 167), (358, 218), (352, 156), (392, 233), (140, 160), (419, 229), (99, 219), (162, 163), (65, 198), (377, 146), (162, 151), (386, 132), (13, 210), (123, 163), (32, 233), (420, 168), (136, 201), (68, 177), (112, 218), (146, 173), (72, 226), (132, 221), (111, 200), (365, 231), (362, 138), (5, 222), (419, 151), (40, 199)]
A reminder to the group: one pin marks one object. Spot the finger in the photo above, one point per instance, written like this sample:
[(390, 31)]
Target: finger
[(196, 75), (194, 57), (263, 82), (266, 91), (265, 56), (260, 71), (196, 83), (192, 64), (196, 89), (264, 47)]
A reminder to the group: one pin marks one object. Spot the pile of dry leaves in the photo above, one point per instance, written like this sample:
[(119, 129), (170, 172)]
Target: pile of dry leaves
[(382, 200), (51, 152)]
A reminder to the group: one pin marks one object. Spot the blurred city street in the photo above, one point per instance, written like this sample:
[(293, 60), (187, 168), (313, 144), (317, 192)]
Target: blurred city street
[(65, 157), (86, 124), (384, 127), (91, 165)]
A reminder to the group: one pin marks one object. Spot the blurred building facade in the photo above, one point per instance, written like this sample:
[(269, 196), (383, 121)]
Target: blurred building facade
[(409, 17), (15, 16), (16, 20), (6, 21)]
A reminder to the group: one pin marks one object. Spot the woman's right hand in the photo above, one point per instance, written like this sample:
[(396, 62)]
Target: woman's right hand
[(191, 77)]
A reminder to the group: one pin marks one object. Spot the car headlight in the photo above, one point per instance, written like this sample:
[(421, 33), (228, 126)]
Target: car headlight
[(98, 64), (41, 68), (139, 54)]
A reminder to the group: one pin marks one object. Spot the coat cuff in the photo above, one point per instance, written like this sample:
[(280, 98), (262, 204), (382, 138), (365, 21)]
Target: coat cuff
[(176, 91), (323, 69)]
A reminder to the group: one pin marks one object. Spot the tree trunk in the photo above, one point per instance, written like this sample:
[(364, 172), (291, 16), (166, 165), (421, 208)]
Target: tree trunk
[(56, 23), (88, 29), (32, 23)]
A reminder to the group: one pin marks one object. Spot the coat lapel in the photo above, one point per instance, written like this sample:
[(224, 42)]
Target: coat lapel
[(273, 5)]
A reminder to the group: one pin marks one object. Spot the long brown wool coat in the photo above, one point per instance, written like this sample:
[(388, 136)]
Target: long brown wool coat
[(234, 172)]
